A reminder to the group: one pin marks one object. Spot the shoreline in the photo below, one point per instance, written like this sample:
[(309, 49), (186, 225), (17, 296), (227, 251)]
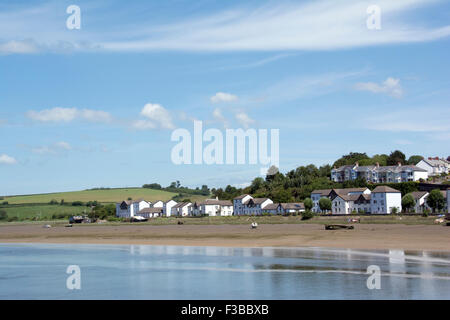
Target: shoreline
[(363, 237)]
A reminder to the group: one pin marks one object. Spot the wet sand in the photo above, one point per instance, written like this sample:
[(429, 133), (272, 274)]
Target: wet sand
[(364, 236)]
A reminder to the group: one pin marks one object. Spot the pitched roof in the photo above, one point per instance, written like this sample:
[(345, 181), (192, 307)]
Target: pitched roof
[(216, 202), (385, 189), (181, 204), (293, 206), (151, 210), (272, 206), (418, 194), (323, 192), (242, 196)]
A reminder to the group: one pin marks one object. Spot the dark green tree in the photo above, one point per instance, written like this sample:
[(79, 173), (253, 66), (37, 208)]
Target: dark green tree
[(408, 202), (325, 204), (436, 200), (395, 157), (308, 204)]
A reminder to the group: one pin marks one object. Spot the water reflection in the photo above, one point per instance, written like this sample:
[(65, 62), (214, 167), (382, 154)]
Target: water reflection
[(172, 272)]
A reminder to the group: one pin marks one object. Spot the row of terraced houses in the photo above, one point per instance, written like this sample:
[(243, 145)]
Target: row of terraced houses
[(382, 200), (242, 205)]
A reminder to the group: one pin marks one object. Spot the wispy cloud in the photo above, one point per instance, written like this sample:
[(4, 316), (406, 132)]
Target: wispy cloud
[(68, 114), (56, 148), (311, 25), (223, 97), (390, 86), (5, 159)]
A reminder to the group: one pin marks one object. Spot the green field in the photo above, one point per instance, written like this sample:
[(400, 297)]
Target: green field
[(37, 205), (42, 211), (104, 196)]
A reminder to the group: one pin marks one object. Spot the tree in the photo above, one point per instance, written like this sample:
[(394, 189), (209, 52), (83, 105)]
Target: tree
[(350, 158), (308, 204), (408, 202), (282, 196), (3, 215), (325, 204), (436, 200), (395, 157), (415, 159)]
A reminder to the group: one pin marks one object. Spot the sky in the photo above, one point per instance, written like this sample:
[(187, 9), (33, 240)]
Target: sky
[(96, 106)]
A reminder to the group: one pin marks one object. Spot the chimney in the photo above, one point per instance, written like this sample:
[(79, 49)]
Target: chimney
[(399, 164)]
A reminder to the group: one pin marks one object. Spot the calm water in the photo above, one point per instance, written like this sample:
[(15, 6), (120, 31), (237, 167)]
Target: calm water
[(38, 271)]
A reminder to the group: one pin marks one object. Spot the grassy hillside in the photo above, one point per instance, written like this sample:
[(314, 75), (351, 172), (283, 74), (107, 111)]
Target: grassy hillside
[(104, 196), (42, 211), (37, 206)]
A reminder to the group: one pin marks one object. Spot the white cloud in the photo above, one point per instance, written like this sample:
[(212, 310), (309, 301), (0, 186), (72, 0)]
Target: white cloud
[(390, 86), (55, 148), (156, 117), (244, 119), (68, 115), (223, 97), (5, 159)]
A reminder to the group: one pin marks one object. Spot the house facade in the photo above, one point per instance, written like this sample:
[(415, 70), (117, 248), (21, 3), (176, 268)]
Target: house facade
[(181, 209), (247, 205), (167, 207), (435, 166), (420, 198), (130, 208), (316, 195), (379, 174), (215, 207), (384, 199)]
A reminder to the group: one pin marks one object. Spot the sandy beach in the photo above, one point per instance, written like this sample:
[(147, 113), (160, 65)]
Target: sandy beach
[(364, 236)]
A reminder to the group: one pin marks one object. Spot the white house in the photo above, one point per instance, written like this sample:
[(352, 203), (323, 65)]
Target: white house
[(379, 174), (435, 166), (316, 195), (181, 209), (130, 208), (152, 212), (167, 207), (420, 198), (247, 205), (347, 203), (158, 204), (194, 210), (238, 203), (215, 207), (384, 199)]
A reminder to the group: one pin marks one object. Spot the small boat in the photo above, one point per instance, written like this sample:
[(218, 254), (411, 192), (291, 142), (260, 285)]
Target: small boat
[(138, 219), (338, 227), (254, 225), (69, 225)]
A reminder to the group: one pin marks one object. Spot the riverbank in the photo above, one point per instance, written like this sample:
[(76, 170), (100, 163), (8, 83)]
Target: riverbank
[(364, 236)]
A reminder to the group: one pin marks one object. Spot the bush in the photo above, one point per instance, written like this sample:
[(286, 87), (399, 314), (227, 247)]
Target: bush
[(3, 215), (11, 219), (5, 203), (77, 204), (53, 202), (306, 215)]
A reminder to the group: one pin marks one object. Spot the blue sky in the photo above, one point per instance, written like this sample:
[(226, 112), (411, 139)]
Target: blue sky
[(72, 102)]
